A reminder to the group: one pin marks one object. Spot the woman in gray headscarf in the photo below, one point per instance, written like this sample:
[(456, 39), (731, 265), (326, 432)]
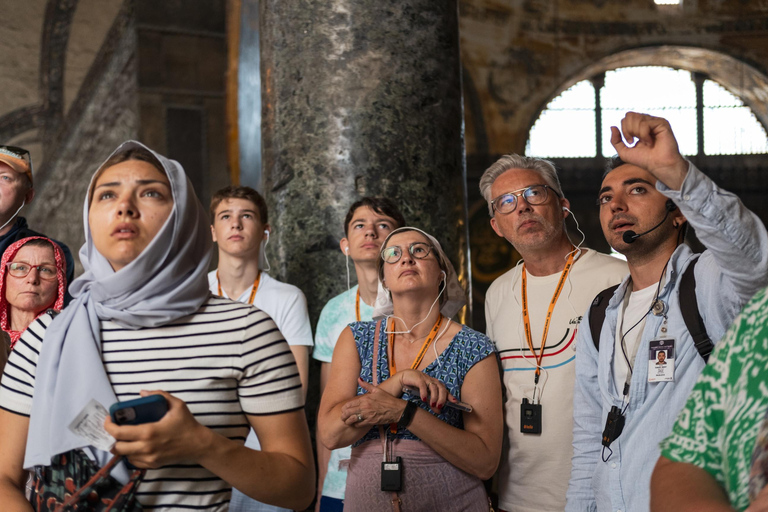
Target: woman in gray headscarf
[(143, 322), (393, 383)]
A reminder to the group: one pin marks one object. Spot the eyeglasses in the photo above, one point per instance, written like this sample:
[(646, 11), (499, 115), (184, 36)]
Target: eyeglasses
[(418, 250), (533, 195), (45, 272), (17, 152)]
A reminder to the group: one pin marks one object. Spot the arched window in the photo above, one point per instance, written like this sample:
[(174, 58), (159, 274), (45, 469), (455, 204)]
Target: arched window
[(567, 127)]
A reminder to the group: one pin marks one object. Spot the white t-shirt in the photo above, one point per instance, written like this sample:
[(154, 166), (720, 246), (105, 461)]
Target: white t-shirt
[(284, 302), (225, 361), (535, 468), (286, 305), (637, 306)]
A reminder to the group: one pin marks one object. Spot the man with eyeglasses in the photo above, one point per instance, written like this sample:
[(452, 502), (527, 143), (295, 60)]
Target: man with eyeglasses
[(17, 190), (673, 300), (533, 312)]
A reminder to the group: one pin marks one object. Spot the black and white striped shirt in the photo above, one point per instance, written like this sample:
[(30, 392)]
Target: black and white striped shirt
[(226, 360)]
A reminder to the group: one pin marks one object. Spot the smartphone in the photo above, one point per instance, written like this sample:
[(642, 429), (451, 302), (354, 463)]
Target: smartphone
[(142, 410), (415, 393)]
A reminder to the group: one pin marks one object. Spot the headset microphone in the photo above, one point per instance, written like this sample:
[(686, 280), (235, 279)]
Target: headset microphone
[(629, 237)]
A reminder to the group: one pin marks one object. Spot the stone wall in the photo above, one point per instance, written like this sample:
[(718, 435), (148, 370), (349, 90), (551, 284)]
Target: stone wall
[(48, 46), (104, 114), (182, 59), (156, 76), (516, 56)]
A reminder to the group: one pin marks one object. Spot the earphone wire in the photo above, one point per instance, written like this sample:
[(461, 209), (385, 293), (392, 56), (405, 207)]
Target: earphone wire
[(578, 252), (577, 247), (653, 303), (442, 289), (264, 252), (346, 257), (434, 343), (23, 202)]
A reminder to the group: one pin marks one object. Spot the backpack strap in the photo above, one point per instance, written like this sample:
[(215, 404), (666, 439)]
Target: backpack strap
[(689, 307), (597, 313)]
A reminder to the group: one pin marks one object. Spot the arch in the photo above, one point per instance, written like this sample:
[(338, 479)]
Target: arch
[(47, 113), (740, 78)]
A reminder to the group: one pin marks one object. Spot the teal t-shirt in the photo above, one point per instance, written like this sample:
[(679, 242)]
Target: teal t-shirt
[(719, 425), (337, 314)]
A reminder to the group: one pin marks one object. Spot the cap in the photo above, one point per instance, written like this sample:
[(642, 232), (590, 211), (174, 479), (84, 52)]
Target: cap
[(18, 159)]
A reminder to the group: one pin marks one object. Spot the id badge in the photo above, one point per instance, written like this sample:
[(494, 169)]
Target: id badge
[(661, 360)]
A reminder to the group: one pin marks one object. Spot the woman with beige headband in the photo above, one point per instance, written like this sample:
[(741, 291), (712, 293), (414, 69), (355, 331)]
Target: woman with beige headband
[(394, 387)]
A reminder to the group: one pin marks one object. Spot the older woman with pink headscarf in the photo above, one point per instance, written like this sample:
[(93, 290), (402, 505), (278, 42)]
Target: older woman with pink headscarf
[(32, 280)]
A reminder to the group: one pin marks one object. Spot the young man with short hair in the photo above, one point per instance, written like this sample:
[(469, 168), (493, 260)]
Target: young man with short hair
[(240, 229), (367, 224)]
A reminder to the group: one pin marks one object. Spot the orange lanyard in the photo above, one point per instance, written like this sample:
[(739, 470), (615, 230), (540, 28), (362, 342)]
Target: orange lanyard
[(419, 356), (357, 305), (527, 319), (253, 290)]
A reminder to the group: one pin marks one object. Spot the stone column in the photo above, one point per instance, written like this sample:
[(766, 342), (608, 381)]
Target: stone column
[(360, 98)]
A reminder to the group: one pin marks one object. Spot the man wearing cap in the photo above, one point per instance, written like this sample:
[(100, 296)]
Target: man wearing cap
[(16, 191)]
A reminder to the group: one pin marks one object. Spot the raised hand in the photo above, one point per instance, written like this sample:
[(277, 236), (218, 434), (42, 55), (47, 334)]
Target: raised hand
[(656, 149)]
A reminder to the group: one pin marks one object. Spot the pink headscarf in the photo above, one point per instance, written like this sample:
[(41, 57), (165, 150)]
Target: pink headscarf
[(61, 273)]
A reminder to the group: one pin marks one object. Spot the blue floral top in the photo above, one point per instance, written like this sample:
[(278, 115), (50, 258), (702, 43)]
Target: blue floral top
[(465, 350)]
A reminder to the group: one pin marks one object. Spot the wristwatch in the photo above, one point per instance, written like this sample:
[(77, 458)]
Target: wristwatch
[(408, 414)]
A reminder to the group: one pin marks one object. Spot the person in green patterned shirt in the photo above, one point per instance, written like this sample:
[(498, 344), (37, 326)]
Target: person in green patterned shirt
[(705, 463)]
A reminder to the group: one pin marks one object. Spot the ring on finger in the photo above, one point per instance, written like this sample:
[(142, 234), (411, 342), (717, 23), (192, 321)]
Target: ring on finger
[(359, 417)]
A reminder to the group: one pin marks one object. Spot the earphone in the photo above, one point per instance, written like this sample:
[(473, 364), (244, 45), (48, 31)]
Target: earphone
[(578, 228), (263, 260), (23, 202), (346, 264)]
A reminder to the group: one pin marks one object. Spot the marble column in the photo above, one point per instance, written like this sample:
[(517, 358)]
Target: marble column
[(360, 98)]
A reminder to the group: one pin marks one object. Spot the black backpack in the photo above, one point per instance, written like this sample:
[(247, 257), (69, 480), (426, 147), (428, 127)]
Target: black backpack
[(689, 307)]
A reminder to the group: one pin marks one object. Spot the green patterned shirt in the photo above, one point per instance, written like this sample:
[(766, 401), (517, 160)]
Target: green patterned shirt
[(718, 427)]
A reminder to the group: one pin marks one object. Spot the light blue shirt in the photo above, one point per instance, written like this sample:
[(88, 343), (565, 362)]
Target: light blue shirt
[(337, 314), (732, 269)]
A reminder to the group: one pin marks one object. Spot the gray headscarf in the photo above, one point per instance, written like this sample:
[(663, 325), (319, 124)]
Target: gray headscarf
[(165, 282), (455, 298)]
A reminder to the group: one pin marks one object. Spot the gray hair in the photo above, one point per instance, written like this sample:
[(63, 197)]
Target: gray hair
[(545, 168)]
